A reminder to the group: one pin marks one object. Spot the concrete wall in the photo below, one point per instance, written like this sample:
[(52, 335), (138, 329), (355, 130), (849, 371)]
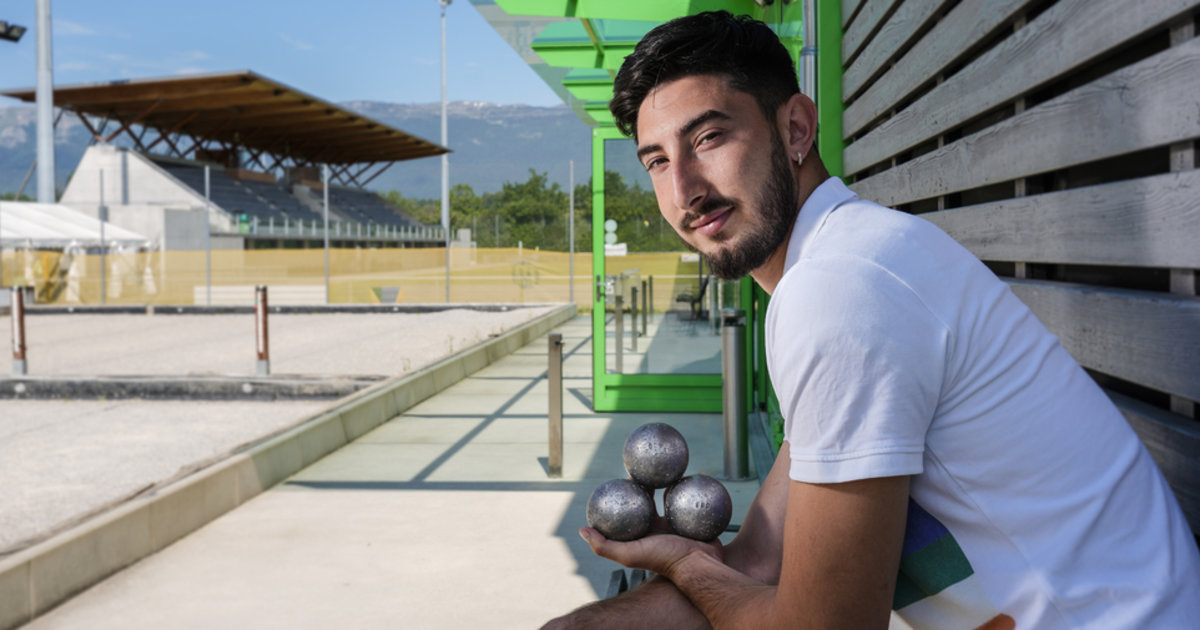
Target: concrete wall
[(142, 197)]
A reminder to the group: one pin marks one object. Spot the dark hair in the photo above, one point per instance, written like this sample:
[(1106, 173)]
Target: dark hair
[(742, 49)]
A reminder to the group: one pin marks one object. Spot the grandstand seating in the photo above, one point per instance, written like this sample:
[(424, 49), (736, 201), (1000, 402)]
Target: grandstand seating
[(272, 201), (367, 207)]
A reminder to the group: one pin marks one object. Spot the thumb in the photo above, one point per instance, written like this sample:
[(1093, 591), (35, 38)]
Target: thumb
[(595, 540)]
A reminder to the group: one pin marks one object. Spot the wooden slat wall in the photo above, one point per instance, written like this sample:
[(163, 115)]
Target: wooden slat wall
[(909, 17), (1146, 222), (1071, 33), (1055, 139)]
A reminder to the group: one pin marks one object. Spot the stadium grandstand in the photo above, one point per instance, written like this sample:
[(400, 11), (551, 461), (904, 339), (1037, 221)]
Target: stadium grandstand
[(263, 145)]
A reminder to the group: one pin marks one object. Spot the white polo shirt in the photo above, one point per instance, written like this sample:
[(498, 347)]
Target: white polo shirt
[(894, 351)]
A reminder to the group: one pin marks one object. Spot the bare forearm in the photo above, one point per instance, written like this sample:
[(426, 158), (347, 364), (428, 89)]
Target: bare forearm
[(654, 605), (726, 597)]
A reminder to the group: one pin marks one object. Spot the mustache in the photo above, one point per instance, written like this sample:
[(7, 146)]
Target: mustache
[(710, 204)]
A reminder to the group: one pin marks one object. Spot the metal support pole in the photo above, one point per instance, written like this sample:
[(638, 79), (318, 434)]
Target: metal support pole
[(650, 291), (445, 156), (808, 54), (619, 338), (733, 394), (326, 202), (645, 307), (633, 330), (555, 376), (260, 330), (102, 212), (571, 228), (20, 368), (208, 236)]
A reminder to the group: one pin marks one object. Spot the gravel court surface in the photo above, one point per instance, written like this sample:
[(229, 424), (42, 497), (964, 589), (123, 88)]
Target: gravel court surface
[(63, 461)]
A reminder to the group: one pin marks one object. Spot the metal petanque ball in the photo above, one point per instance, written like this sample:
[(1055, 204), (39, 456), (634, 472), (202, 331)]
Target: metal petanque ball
[(656, 455), (621, 510), (698, 507)]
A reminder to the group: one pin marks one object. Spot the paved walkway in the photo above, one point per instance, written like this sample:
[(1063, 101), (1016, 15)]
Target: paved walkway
[(441, 518), (63, 461)]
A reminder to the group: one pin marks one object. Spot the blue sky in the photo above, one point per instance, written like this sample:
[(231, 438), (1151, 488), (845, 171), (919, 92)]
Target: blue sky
[(339, 51)]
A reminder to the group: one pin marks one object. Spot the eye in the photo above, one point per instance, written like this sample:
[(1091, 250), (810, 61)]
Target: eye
[(709, 137), (654, 162)]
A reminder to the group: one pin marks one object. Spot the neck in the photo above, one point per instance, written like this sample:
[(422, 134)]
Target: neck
[(811, 175)]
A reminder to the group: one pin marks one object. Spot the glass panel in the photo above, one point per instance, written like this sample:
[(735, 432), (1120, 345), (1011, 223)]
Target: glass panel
[(677, 310)]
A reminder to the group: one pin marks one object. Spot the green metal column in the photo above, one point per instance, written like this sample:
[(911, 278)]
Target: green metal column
[(829, 85)]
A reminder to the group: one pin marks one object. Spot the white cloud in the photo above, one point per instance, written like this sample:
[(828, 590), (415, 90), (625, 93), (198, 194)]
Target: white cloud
[(190, 70), (295, 43), (64, 27), (72, 66)]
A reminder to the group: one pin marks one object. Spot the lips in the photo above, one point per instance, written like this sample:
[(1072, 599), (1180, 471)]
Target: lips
[(711, 223)]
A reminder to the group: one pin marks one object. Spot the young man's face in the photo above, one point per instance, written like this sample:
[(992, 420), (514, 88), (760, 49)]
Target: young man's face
[(720, 171)]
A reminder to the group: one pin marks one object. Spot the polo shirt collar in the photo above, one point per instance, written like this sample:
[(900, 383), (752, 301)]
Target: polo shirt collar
[(827, 196)]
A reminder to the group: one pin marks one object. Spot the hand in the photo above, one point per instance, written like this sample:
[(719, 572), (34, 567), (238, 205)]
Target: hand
[(657, 552)]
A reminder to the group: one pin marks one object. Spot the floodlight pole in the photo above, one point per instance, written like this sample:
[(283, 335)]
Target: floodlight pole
[(571, 227), (325, 172), (45, 106), (445, 157)]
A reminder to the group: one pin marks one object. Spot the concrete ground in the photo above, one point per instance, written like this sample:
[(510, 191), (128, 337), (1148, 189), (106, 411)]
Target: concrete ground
[(63, 461), (443, 517)]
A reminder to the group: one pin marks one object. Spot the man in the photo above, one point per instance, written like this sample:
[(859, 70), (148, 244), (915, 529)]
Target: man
[(944, 456)]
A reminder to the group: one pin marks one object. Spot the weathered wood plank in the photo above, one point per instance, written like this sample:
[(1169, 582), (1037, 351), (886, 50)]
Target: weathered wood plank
[(1152, 339), (1174, 443), (868, 19), (962, 27), (909, 18), (848, 8), (1148, 104), (1069, 34), (1147, 222)]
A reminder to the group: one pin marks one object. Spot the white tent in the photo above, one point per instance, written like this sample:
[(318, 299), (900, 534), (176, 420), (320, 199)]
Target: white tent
[(45, 225)]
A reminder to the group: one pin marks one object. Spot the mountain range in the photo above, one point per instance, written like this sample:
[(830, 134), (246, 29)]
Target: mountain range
[(492, 144)]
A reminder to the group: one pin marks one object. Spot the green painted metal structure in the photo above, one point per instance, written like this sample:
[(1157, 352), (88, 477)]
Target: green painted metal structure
[(589, 39)]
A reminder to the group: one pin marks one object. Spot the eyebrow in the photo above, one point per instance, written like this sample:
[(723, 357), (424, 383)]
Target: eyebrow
[(687, 128)]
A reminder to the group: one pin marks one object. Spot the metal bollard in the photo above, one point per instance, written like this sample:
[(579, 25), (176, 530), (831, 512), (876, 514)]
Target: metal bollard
[(650, 291), (260, 330), (645, 308), (733, 394), (620, 336), (20, 368), (554, 375), (633, 318)]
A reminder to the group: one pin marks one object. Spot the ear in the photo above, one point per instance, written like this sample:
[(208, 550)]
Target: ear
[(799, 117)]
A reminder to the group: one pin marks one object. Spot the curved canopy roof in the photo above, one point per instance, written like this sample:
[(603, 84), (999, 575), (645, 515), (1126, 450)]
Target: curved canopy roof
[(587, 40), (247, 110)]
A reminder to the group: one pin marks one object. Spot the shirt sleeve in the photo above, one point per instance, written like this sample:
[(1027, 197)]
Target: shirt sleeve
[(857, 360)]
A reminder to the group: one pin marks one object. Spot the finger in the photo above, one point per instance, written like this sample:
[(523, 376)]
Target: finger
[(593, 538)]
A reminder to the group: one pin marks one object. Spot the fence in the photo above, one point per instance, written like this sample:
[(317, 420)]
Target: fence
[(356, 276)]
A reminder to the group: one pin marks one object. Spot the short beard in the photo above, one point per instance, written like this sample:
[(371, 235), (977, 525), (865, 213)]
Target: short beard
[(777, 210)]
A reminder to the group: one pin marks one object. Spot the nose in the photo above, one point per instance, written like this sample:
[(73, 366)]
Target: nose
[(689, 185)]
